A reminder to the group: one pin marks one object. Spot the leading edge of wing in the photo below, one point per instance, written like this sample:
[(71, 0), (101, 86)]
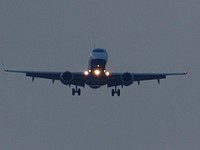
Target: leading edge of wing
[(166, 74), (27, 72), (36, 74), (154, 76), (30, 72)]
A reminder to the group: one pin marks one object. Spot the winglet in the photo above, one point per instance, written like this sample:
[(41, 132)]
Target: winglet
[(6, 70), (185, 73), (187, 70)]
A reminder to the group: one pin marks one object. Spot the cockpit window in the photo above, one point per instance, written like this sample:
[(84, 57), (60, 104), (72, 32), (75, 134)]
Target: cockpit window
[(99, 50)]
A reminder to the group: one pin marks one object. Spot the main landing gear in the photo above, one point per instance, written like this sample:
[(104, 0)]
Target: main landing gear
[(76, 90), (115, 91)]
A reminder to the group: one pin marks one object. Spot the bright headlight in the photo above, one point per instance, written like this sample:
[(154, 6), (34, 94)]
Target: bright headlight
[(107, 73), (86, 73), (97, 72)]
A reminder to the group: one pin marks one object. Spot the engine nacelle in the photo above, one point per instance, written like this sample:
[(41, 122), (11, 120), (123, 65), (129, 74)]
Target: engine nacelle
[(127, 79), (66, 77)]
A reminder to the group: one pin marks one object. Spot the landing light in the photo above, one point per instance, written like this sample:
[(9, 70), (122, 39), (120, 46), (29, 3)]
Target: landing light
[(97, 72), (107, 73), (86, 73)]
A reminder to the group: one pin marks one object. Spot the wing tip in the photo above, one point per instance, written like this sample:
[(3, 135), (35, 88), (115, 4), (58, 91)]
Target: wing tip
[(4, 69), (185, 73)]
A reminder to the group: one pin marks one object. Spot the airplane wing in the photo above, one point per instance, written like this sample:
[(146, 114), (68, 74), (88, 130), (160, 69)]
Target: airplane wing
[(77, 77), (116, 78), (38, 74)]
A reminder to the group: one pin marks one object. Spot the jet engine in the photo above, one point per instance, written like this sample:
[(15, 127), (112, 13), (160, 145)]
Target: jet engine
[(66, 77), (127, 79)]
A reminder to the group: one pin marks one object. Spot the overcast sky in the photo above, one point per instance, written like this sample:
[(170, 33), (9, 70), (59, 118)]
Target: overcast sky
[(139, 35)]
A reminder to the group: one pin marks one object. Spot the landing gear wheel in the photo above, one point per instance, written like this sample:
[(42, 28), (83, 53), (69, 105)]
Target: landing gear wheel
[(73, 91), (118, 92), (115, 91), (76, 90), (79, 92)]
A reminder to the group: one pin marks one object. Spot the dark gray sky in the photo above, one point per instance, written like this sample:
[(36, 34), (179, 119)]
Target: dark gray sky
[(140, 36)]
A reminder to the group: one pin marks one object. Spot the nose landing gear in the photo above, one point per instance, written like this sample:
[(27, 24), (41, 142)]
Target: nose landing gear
[(115, 91), (76, 90)]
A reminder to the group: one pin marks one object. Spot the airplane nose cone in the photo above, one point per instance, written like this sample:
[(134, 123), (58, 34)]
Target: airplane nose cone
[(99, 54)]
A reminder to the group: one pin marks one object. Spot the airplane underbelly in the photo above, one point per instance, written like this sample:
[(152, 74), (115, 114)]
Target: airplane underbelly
[(96, 82), (94, 86)]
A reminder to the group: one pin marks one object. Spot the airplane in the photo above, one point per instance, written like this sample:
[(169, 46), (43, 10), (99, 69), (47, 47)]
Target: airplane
[(96, 75)]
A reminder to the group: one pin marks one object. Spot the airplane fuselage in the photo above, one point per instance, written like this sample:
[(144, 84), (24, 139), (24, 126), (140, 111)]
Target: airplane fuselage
[(98, 59), (96, 75)]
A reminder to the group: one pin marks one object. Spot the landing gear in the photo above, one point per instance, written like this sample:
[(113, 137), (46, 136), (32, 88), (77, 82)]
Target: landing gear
[(76, 90), (115, 91)]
